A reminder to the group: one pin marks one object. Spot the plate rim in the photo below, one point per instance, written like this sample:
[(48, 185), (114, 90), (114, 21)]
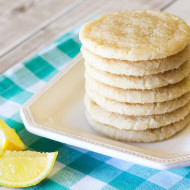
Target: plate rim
[(135, 156)]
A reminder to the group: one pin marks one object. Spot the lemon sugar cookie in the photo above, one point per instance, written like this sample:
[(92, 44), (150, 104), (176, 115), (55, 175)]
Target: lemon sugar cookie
[(122, 121), (161, 94), (137, 79), (136, 68), (150, 135), (135, 35), (137, 109), (140, 82)]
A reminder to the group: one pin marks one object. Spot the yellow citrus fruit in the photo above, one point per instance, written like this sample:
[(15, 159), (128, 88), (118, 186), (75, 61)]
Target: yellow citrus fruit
[(9, 140), (25, 168)]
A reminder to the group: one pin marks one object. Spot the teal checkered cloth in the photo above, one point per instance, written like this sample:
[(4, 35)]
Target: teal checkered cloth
[(75, 168)]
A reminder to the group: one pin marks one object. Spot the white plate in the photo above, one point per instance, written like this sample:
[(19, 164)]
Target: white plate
[(57, 112)]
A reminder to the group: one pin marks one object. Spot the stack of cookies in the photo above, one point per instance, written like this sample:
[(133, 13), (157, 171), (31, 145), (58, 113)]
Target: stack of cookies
[(137, 75)]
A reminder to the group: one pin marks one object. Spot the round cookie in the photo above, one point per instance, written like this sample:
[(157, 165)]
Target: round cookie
[(162, 94), (143, 82), (134, 122), (137, 109), (150, 135), (136, 68), (135, 35)]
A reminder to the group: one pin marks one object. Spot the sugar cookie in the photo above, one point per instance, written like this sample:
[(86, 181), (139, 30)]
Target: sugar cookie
[(135, 35), (162, 94), (150, 135), (134, 122), (137, 109), (142, 82), (136, 68)]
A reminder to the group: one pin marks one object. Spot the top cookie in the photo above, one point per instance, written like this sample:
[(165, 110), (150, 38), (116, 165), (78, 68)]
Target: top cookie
[(135, 35)]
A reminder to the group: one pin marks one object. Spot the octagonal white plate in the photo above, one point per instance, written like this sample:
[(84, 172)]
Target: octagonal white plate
[(57, 112)]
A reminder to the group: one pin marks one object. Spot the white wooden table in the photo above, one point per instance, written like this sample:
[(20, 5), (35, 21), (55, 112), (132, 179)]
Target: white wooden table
[(29, 25)]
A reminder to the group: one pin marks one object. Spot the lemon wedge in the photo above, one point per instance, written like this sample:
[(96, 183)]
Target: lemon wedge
[(9, 140), (25, 168)]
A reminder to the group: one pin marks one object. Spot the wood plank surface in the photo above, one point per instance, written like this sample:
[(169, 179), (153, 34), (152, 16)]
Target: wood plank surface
[(27, 18), (181, 8), (9, 5), (73, 17)]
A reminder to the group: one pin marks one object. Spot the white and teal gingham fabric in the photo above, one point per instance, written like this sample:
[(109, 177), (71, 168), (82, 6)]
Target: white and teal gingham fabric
[(75, 168)]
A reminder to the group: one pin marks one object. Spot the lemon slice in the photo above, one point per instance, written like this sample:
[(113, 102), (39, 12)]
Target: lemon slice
[(9, 140), (25, 168)]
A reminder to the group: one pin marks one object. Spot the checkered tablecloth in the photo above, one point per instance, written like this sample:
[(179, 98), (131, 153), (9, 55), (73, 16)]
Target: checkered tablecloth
[(75, 168)]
